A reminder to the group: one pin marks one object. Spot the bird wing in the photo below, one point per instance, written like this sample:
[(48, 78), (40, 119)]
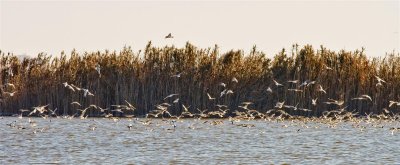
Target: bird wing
[(34, 111), (209, 96)]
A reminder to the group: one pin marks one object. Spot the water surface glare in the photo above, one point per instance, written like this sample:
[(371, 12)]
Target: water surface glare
[(105, 141)]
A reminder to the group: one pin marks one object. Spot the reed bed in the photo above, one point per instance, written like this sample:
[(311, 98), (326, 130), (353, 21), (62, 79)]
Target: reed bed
[(146, 78)]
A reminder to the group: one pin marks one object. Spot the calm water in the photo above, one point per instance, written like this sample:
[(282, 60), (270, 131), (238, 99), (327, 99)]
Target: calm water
[(73, 141)]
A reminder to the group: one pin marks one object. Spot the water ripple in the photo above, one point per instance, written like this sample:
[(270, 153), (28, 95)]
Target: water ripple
[(74, 142)]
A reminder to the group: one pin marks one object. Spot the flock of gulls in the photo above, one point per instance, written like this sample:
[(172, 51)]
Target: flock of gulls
[(161, 115), (243, 113)]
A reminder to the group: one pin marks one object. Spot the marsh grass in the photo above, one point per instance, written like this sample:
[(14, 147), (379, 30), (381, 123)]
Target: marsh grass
[(145, 79)]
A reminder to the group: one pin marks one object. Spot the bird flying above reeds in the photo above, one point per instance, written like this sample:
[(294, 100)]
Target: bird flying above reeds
[(53, 112), (336, 102), (83, 111), (102, 109), (311, 83), (303, 84), (171, 95), (209, 97), (391, 103), (305, 109), (293, 81), (314, 101), (279, 104), (98, 69), (40, 109), (169, 36), (234, 80), (117, 110), (380, 81), (320, 89), (76, 88), (185, 109), (129, 106), (307, 83), (363, 97), (177, 75), (11, 94), (245, 105), (327, 67), (221, 106), (24, 110), (226, 92), (68, 86), (202, 113), (295, 90), (277, 83), (269, 90), (291, 106), (10, 85), (86, 92), (222, 84), (386, 111), (76, 103)]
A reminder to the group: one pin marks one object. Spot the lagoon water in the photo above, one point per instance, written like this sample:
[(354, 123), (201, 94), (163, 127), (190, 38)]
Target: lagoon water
[(64, 141)]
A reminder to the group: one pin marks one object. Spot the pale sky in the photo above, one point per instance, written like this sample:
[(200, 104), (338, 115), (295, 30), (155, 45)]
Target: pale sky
[(30, 27)]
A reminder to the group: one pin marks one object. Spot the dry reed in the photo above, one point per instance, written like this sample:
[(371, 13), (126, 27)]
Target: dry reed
[(145, 79)]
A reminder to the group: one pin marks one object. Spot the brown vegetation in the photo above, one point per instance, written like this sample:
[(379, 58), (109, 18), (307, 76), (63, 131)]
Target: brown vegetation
[(145, 79)]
